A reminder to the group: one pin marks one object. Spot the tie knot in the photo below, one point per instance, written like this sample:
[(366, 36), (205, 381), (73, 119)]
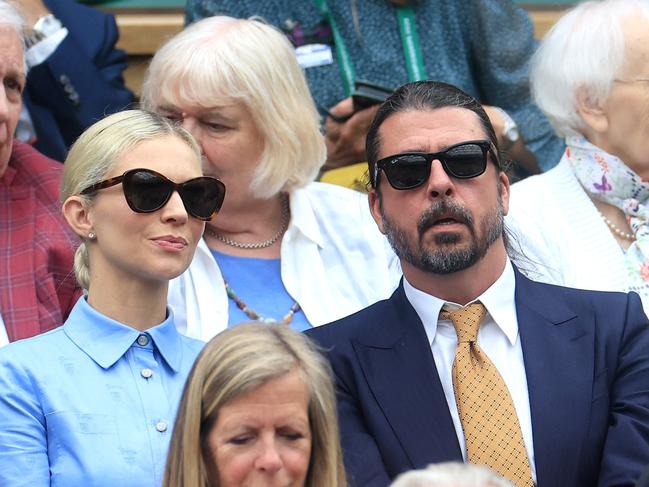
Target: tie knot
[(466, 320)]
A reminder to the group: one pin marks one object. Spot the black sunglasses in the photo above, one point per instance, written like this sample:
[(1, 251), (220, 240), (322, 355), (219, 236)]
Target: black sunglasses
[(147, 191), (412, 169)]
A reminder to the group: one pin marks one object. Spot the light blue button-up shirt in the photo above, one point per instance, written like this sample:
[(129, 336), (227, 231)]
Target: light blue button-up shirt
[(91, 403)]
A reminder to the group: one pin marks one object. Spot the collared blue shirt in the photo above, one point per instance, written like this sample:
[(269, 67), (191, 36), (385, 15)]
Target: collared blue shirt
[(91, 403)]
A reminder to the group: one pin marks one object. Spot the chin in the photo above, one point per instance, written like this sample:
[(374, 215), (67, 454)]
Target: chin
[(166, 271)]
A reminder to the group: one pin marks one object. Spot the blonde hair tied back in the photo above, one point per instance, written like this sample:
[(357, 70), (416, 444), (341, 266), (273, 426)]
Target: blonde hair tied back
[(99, 148)]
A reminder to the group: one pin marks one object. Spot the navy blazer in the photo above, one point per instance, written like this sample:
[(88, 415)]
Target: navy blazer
[(644, 479), (80, 83), (586, 356)]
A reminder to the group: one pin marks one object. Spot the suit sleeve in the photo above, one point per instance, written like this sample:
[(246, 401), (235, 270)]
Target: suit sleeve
[(23, 439), (81, 81), (502, 44), (626, 449)]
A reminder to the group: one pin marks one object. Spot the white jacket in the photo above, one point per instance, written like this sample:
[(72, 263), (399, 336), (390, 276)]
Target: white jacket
[(334, 262), (563, 237)]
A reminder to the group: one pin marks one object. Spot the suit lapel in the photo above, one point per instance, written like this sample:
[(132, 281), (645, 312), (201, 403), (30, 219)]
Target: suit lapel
[(398, 364), (558, 351)]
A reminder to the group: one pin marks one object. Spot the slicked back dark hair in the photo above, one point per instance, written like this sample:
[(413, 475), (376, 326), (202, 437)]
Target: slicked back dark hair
[(423, 96)]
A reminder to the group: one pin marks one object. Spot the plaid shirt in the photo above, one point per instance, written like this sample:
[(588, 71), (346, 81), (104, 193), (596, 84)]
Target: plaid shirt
[(37, 284)]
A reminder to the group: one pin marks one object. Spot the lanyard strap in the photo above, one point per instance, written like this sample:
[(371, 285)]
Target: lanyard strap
[(409, 41), (344, 61)]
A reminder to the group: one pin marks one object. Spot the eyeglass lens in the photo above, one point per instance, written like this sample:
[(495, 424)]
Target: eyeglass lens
[(462, 161), (146, 191)]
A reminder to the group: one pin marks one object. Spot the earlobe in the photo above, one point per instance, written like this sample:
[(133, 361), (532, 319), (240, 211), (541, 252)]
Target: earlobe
[(591, 111), (503, 188), (374, 201), (75, 212)]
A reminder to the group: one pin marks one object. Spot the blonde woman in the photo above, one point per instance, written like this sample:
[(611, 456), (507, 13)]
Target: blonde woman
[(284, 247), (92, 402), (258, 409)]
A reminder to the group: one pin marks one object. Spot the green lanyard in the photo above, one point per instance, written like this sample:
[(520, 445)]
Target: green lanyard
[(409, 42)]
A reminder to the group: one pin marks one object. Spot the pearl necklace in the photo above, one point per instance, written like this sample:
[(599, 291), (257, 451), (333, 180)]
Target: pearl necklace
[(617, 230), (286, 214)]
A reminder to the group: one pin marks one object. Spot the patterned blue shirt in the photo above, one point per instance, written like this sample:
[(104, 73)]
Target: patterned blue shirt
[(91, 403), (481, 46)]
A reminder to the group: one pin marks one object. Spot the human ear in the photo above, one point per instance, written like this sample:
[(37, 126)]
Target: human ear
[(503, 189), (374, 199), (76, 213), (592, 111)]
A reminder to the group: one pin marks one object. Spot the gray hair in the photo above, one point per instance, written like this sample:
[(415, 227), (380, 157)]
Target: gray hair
[(221, 59), (451, 474), (10, 16), (584, 50)]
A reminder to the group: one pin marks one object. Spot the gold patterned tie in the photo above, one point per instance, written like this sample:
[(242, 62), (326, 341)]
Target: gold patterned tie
[(491, 428)]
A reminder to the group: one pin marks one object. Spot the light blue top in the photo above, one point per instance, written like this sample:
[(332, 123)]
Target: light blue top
[(91, 403), (258, 283)]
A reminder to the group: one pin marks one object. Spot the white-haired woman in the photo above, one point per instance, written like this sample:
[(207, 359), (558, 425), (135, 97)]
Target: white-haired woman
[(451, 474), (284, 248), (92, 402), (585, 223)]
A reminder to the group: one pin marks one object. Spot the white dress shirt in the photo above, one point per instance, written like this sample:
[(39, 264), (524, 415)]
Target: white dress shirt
[(334, 262), (498, 337)]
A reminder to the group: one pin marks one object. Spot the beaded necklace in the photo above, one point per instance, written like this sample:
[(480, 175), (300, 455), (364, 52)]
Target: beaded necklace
[(616, 229), (253, 315)]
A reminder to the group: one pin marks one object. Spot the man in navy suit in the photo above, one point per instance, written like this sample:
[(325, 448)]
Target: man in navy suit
[(75, 73), (575, 363)]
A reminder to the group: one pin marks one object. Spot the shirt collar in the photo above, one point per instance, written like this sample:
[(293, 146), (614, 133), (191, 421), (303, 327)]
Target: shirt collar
[(106, 340), (303, 218), (498, 299)]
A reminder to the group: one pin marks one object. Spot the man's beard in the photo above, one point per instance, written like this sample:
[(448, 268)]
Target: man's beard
[(449, 255)]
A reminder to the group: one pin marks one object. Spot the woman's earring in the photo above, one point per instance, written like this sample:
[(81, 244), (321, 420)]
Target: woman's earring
[(91, 235)]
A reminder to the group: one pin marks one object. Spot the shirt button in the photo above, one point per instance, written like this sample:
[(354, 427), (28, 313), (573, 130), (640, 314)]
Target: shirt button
[(161, 426), (146, 373), (143, 340)]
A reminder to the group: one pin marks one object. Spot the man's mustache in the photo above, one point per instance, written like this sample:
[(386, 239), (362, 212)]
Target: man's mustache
[(444, 209)]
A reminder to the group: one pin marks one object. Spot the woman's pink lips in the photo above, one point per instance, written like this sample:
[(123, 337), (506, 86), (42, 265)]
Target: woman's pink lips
[(169, 242)]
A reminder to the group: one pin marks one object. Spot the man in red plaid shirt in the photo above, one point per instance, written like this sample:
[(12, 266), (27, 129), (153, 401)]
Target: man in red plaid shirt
[(37, 285)]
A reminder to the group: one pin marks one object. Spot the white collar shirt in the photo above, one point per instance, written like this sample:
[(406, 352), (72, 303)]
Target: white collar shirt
[(498, 337)]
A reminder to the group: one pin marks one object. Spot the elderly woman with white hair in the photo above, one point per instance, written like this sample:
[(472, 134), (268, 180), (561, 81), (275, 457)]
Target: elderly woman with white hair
[(284, 247), (585, 223), (451, 474)]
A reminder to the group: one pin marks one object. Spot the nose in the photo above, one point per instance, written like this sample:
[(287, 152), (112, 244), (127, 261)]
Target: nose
[(439, 184), (174, 211), (269, 459), (190, 125), (4, 104)]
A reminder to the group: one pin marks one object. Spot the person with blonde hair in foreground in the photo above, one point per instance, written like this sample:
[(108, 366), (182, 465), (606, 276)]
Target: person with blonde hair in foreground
[(92, 401), (258, 409), (451, 474)]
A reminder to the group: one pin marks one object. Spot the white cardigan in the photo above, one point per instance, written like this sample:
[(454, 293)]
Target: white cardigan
[(563, 236), (334, 262)]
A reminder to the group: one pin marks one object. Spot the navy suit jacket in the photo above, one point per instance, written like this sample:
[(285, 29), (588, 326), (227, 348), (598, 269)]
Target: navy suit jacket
[(586, 356), (80, 83), (644, 480)]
